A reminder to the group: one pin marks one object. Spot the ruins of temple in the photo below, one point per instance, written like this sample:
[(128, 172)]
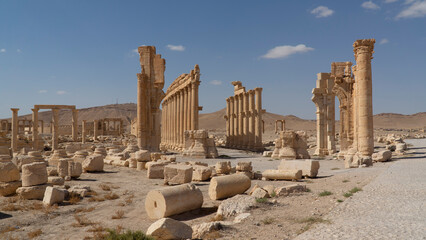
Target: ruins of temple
[(180, 110), (244, 124), (150, 95), (353, 87)]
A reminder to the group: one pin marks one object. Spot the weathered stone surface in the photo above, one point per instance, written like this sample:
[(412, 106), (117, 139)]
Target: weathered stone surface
[(9, 188), (93, 163), (34, 174), (9, 172), (63, 167), (223, 167), (52, 171), (53, 195), (291, 145), (140, 166), (382, 156), (241, 217), (201, 173), (200, 230), (282, 174), (309, 167), (133, 163), (74, 169), (169, 201), (199, 145), (143, 156), (167, 228), (33, 192), (244, 167), (260, 193), (155, 156), (286, 190), (80, 190), (56, 181), (227, 186), (177, 174), (170, 158), (155, 170), (270, 189), (236, 205), (21, 160)]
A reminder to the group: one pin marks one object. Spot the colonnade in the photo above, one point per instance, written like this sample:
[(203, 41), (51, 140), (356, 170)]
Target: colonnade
[(279, 123), (180, 110), (244, 125)]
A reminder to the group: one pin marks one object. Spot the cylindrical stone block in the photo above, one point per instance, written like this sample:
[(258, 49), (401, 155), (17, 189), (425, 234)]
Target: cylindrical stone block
[(169, 201), (282, 174), (228, 186)]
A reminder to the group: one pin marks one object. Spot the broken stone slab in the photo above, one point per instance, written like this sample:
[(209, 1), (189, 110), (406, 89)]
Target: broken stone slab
[(177, 174), (53, 195), (309, 167), (52, 171), (120, 163), (270, 189), (93, 163), (170, 158), (9, 188), (55, 181), (382, 156), (80, 190), (244, 167), (9, 172), (223, 167), (167, 229), (282, 174), (227, 186), (260, 193), (143, 156), (34, 174), (286, 190), (63, 167), (236, 205), (155, 170), (75, 169), (200, 231), (33, 192), (21, 160), (241, 217), (201, 173), (169, 201)]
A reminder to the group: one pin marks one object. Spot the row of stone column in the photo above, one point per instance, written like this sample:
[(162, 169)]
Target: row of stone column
[(244, 120), (179, 113)]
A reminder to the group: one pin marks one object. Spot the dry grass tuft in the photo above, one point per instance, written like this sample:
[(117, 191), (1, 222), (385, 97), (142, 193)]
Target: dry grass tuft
[(34, 234), (84, 210), (105, 187), (96, 199), (118, 214), (7, 229), (268, 221), (111, 196), (82, 221), (74, 199), (217, 217)]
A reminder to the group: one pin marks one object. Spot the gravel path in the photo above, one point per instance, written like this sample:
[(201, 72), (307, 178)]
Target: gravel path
[(393, 206)]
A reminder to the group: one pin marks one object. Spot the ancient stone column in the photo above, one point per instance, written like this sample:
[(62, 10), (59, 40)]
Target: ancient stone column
[(55, 132), (251, 119), (83, 131), (246, 114), (14, 129), (74, 125), (181, 119), (331, 128), (240, 121), (259, 111), (35, 129), (231, 122), (95, 129), (364, 50), (194, 107), (227, 119), (185, 110), (236, 123), (42, 126)]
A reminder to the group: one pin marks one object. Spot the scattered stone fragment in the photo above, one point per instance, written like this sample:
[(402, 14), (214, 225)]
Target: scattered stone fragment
[(227, 186), (93, 163), (236, 205), (309, 167), (34, 174), (53, 195), (199, 231), (201, 173), (177, 174), (32, 192), (382, 156), (167, 228), (282, 174)]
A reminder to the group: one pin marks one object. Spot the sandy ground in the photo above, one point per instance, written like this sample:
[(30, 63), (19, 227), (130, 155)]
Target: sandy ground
[(284, 219)]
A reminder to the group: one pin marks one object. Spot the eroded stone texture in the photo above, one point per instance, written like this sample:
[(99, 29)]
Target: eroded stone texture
[(169, 229), (309, 167), (227, 186), (199, 145), (291, 145), (271, 174), (177, 174), (34, 174)]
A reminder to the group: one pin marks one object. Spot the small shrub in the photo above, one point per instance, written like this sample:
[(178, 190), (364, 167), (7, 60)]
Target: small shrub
[(261, 200), (34, 234), (339, 200), (345, 181), (118, 214), (355, 190), (82, 221), (111, 196), (325, 193), (129, 235), (74, 199), (308, 190), (312, 220), (348, 194), (96, 199), (273, 194), (268, 221)]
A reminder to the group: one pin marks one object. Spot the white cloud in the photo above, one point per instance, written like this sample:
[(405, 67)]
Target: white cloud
[(179, 48), (61, 92), (216, 82), (2, 50), (322, 11), (384, 41), (416, 10), (286, 50), (390, 1), (42, 91), (370, 5)]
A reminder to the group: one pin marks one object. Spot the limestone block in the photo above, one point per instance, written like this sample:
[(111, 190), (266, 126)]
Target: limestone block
[(155, 170), (177, 174), (286, 190), (382, 156), (9, 172), (143, 156), (201, 173), (56, 181), (63, 167), (34, 174), (120, 163), (244, 167), (167, 228), (75, 169), (227, 186), (52, 171), (155, 156), (309, 167), (53, 195), (223, 167), (9, 188), (236, 205), (57, 154), (133, 163), (81, 191), (260, 193), (170, 158), (21, 160), (282, 174), (169, 201), (93, 163), (391, 147), (270, 189), (140, 166), (33, 192), (199, 231)]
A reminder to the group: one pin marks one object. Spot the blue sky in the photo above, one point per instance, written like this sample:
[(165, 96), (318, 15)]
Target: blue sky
[(82, 52)]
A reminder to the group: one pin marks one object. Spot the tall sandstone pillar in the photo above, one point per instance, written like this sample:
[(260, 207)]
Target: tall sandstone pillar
[(55, 130), (74, 125), (14, 129), (150, 94), (35, 129), (259, 124), (364, 50), (83, 131)]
